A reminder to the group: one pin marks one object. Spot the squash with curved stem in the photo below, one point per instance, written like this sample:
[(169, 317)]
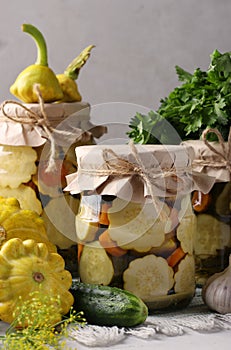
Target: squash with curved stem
[(38, 73)]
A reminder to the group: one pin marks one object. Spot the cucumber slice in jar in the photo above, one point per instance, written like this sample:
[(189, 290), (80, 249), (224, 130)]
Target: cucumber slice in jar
[(95, 266)]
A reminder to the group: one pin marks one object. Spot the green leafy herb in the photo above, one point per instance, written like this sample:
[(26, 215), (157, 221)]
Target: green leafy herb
[(203, 100), (38, 328)]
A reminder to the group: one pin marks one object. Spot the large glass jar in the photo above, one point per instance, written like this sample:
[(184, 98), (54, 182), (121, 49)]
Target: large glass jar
[(135, 222), (26, 140)]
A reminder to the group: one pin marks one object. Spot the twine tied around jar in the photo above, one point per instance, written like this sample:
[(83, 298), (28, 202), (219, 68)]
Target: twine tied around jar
[(225, 155), (117, 166), (33, 119)]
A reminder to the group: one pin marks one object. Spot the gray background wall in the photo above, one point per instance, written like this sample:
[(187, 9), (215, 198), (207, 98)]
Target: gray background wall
[(138, 43)]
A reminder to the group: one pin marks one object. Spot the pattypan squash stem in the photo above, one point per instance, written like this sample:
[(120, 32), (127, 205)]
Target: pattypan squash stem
[(40, 43), (72, 71)]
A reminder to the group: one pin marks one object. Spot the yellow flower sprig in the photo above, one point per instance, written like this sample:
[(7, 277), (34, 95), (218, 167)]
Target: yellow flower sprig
[(34, 324)]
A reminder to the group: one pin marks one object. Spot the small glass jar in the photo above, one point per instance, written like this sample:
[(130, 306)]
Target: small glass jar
[(212, 240), (212, 207), (128, 238)]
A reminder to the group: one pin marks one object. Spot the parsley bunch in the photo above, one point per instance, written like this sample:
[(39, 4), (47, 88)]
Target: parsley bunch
[(202, 101)]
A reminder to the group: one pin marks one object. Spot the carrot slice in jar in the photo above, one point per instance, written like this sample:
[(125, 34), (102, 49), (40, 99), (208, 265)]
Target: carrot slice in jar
[(80, 249), (200, 201), (110, 246), (103, 218), (175, 257)]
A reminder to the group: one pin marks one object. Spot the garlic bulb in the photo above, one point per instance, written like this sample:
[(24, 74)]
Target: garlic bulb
[(216, 292)]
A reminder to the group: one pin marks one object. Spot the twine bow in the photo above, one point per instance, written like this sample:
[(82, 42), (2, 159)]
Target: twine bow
[(225, 155), (33, 119), (120, 166)]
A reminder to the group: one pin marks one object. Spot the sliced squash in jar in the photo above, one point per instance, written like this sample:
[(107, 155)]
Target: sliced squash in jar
[(148, 277), (85, 230), (61, 231), (87, 220), (186, 207), (172, 221), (17, 165), (136, 225), (185, 233), (25, 195), (223, 202), (166, 249), (210, 235), (185, 275), (95, 266)]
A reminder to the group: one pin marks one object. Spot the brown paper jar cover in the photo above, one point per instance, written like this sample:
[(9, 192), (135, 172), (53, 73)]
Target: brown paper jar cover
[(169, 168), (65, 115), (207, 162)]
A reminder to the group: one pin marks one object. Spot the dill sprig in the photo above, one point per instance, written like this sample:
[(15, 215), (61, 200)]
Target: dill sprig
[(35, 324)]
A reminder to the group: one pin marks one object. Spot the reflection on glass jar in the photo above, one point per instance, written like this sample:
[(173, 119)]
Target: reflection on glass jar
[(212, 242), (126, 244)]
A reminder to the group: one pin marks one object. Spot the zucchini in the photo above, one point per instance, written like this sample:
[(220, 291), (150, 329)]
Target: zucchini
[(108, 306)]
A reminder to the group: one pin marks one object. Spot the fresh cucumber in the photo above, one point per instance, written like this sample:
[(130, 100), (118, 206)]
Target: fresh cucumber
[(108, 306)]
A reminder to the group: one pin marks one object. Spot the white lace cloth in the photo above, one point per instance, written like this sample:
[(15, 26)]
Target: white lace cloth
[(196, 317)]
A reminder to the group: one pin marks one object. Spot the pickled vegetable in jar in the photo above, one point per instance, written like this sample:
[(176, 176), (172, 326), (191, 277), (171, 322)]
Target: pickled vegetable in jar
[(135, 223), (25, 149), (212, 240), (212, 208)]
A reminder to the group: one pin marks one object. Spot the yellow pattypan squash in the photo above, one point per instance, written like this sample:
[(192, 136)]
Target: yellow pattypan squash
[(27, 267), (38, 73), (67, 80), (21, 223)]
